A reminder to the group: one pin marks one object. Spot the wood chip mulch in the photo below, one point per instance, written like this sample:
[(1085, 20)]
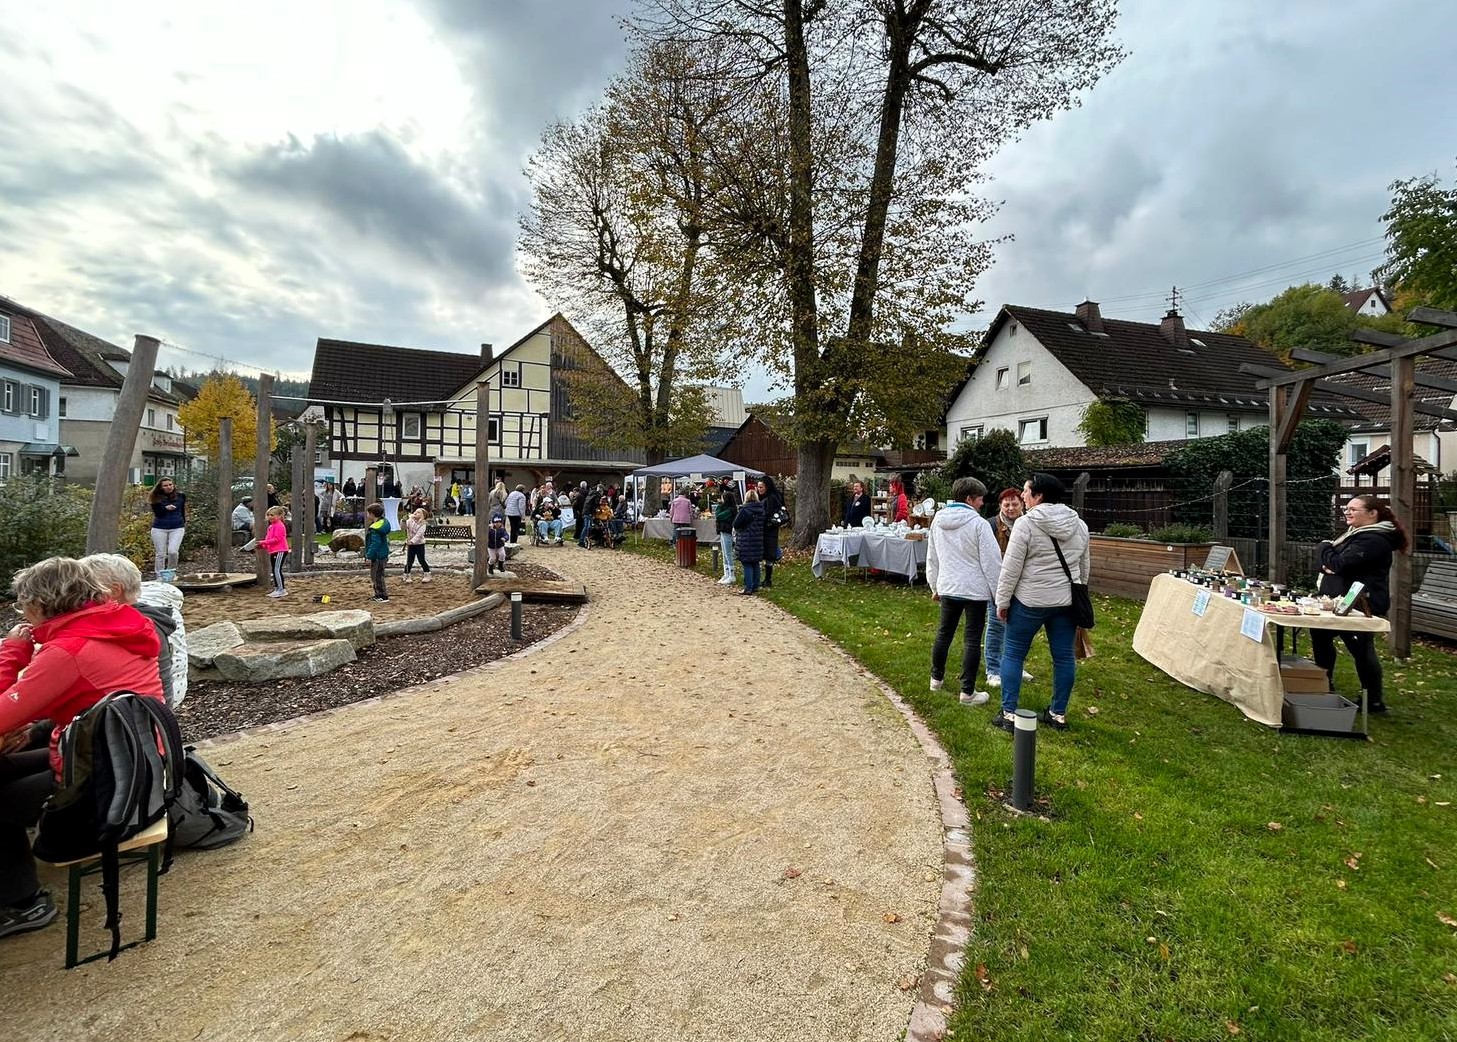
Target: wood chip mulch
[(220, 707)]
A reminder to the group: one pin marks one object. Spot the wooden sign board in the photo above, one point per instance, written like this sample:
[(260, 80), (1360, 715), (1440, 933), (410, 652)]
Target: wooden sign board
[(1223, 559)]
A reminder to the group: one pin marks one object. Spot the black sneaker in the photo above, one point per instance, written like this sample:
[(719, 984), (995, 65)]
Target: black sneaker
[(1053, 721), (40, 912), (1004, 721), (1377, 707)]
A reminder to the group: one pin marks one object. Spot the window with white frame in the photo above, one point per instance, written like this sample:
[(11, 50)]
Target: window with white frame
[(972, 432), (4, 329), (1004, 378), (5, 459), (1233, 421), (1191, 424), (61, 406), (410, 425), (318, 457), (1359, 451), (511, 377), (151, 417), (170, 421), (37, 401), (1031, 431), (1024, 373), (493, 430), (9, 395)]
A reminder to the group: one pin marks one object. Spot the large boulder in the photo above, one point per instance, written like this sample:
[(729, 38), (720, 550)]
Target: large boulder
[(260, 663), (205, 644), (357, 627), (347, 539)]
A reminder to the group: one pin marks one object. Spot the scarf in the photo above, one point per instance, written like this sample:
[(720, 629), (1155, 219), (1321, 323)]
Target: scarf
[(1379, 526)]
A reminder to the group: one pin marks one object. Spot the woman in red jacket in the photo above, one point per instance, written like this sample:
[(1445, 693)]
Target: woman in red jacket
[(73, 649)]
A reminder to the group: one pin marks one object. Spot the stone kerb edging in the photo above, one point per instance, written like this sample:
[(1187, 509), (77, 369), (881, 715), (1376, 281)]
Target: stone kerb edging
[(440, 620), (279, 725), (936, 996)]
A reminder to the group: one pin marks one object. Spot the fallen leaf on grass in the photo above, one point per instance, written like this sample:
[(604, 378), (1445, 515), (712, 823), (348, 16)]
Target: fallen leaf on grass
[(1164, 952), (1443, 803), (1232, 1026), (1092, 710), (1349, 947), (1340, 884), (1450, 978), (983, 978), (791, 873), (1421, 799), (1137, 816), (1274, 826), (1353, 862), (1432, 863), (1447, 920)]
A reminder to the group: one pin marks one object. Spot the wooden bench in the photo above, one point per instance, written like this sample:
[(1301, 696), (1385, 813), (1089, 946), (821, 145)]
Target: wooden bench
[(1434, 602), (144, 846), (441, 532)]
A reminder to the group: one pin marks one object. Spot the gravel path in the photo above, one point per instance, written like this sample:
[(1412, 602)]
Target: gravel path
[(685, 819)]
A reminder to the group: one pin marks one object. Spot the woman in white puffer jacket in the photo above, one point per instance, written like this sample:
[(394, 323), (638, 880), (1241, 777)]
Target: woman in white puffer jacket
[(962, 563), (1034, 593)]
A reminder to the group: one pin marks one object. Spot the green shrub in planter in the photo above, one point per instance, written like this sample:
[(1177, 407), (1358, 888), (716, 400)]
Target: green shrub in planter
[(1182, 534), (1123, 530)]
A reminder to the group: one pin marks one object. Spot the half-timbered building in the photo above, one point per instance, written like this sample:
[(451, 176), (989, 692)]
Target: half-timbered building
[(411, 413)]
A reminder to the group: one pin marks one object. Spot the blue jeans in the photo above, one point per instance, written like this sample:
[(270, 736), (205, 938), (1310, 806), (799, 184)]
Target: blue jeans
[(995, 630), (549, 529), (751, 576), (1022, 625), (726, 547)]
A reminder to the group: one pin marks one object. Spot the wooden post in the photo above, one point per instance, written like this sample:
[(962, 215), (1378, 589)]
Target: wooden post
[(1276, 529), (299, 507), (371, 487), (1403, 499), (103, 530), (1080, 491), (1221, 504), (225, 492), (483, 461), (263, 448), (311, 448)]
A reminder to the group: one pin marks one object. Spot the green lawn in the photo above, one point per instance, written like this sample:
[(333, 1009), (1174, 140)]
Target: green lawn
[(1201, 876)]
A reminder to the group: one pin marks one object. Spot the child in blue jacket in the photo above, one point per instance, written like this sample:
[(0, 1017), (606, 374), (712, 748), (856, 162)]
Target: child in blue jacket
[(377, 548)]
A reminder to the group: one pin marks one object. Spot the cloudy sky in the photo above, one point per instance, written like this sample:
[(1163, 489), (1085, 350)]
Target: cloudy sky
[(240, 180)]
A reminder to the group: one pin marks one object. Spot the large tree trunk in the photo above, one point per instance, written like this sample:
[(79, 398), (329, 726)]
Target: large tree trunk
[(812, 492)]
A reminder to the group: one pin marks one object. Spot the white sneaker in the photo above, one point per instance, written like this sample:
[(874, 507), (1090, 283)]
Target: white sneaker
[(426, 579), (727, 580), (1026, 676), (979, 698), (935, 684), (994, 680), (406, 578)]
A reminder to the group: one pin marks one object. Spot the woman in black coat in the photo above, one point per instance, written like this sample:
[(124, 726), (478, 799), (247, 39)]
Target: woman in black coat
[(1363, 554), (750, 541), (773, 501)]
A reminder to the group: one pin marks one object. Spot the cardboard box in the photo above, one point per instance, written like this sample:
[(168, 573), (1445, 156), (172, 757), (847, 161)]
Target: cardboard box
[(1299, 666)]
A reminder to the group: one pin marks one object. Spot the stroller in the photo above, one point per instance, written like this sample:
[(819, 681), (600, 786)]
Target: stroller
[(599, 532)]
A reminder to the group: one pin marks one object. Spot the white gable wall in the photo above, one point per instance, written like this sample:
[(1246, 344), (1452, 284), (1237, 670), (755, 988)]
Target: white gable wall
[(1052, 392)]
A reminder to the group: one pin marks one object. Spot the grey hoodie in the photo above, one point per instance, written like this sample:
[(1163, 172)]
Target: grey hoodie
[(962, 556), (1030, 570)]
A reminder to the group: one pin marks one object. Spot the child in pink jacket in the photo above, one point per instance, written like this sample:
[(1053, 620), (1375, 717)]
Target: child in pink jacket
[(275, 545)]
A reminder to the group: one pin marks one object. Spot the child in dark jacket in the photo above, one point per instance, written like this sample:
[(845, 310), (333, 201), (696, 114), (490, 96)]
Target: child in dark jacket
[(377, 547), (496, 544)]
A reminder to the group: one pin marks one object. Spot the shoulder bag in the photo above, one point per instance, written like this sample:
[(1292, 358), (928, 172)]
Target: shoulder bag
[(1082, 603)]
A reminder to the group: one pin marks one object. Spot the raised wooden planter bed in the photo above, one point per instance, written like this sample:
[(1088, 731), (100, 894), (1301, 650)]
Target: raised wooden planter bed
[(1125, 567)]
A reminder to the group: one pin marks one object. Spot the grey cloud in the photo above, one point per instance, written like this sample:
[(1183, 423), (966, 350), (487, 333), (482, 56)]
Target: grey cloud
[(370, 184)]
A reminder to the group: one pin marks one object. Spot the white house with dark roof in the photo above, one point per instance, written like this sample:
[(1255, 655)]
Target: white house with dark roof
[(1433, 440), (1370, 302), (1038, 371), (30, 392)]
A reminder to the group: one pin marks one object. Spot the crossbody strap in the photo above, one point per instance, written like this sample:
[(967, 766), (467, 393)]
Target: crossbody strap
[(1057, 549)]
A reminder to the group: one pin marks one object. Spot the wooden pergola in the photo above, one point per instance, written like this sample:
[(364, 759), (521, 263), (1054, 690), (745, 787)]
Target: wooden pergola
[(1395, 359)]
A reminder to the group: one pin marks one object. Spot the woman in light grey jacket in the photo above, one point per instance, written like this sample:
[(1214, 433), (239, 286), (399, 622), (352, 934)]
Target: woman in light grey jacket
[(1033, 593)]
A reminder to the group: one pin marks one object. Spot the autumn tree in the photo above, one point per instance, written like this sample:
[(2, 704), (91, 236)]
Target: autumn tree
[(616, 234), (1310, 316), (1421, 243), (858, 198), (220, 395)]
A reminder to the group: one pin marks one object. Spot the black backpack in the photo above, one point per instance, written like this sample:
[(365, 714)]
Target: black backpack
[(121, 769), (207, 813)]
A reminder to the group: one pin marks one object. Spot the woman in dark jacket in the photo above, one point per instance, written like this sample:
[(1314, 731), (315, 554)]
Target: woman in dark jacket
[(773, 502), (169, 520), (1363, 554), (749, 528)]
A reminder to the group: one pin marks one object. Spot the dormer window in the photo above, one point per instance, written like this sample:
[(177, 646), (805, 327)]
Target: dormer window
[(4, 329)]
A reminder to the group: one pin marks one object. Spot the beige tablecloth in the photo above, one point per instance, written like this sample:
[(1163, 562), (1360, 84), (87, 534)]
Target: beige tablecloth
[(1210, 654)]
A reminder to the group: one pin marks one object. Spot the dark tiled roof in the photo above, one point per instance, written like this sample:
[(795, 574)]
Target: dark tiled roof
[(86, 356), (1374, 417), (1356, 299), (25, 348), (1144, 454), (1135, 361), (345, 371)]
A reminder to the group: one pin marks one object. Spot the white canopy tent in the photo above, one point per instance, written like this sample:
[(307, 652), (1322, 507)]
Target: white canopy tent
[(693, 468)]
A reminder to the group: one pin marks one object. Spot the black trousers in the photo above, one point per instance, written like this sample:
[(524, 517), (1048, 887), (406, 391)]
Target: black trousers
[(771, 554), (26, 780), (514, 521), (1362, 647), (415, 552), (976, 624)]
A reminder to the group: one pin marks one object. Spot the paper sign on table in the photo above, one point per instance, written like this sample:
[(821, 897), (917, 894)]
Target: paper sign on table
[(1253, 625), (1201, 602)]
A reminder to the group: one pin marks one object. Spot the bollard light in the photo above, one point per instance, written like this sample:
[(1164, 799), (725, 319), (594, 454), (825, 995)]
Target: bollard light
[(516, 616), (1024, 758)]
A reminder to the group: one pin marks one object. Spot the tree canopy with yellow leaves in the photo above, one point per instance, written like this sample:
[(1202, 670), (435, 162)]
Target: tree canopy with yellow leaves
[(223, 395)]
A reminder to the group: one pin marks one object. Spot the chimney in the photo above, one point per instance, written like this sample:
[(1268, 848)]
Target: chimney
[(486, 354), (1172, 327), (1089, 315)]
